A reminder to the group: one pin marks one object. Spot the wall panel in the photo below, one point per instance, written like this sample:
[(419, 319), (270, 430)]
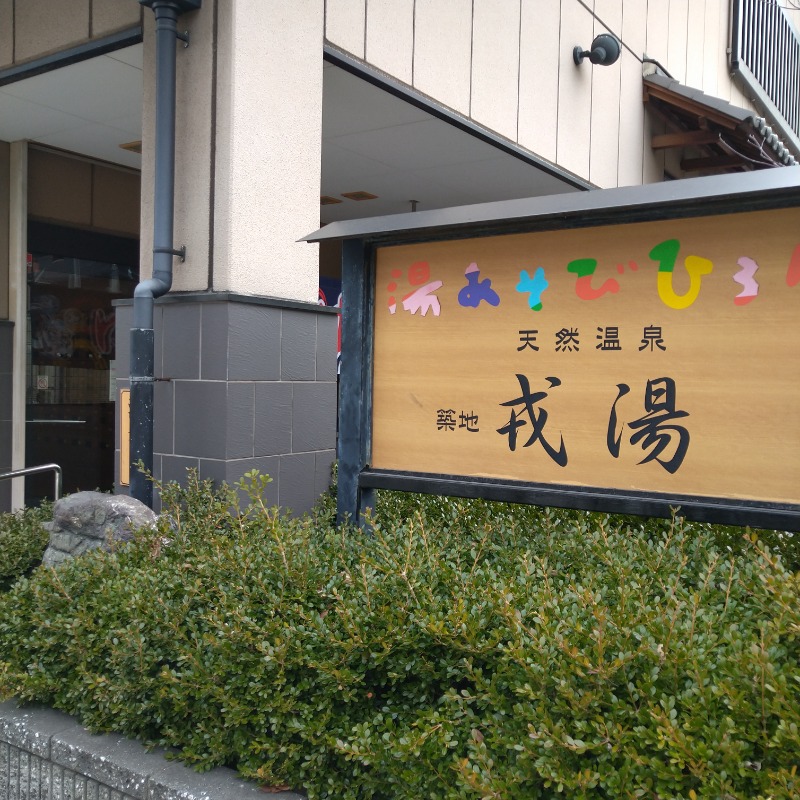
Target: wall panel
[(443, 51), (574, 91), (607, 106), (390, 37), (538, 76), (111, 15), (344, 24), (495, 65), (43, 26), (4, 219)]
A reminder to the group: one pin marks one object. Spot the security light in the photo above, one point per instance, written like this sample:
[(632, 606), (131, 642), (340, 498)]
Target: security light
[(605, 51)]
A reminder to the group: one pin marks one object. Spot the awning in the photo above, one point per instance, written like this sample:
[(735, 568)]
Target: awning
[(714, 135)]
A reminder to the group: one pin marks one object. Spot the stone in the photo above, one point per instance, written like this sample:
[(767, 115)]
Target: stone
[(87, 520)]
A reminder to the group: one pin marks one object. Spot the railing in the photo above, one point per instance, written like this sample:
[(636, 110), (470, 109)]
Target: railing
[(765, 51), (19, 473)]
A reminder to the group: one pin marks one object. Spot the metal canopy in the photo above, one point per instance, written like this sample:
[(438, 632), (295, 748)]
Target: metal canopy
[(756, 190)]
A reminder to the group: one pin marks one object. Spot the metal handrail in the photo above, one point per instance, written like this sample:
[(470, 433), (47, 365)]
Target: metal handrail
[(18, 473)]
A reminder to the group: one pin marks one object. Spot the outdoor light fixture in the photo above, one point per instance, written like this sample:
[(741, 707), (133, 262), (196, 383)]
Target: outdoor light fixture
[(605, 51)]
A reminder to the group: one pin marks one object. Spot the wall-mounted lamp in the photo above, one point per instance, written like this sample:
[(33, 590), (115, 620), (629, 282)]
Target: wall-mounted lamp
[(605, 51)]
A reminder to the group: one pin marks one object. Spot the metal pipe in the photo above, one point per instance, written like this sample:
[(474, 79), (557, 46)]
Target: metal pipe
[(57, 484), (142, 334)]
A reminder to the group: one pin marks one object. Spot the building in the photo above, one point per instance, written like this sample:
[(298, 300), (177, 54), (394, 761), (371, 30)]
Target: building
[(292, 114)]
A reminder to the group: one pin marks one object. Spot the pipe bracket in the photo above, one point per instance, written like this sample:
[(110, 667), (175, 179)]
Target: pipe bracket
[(180, 253), (184, 37)]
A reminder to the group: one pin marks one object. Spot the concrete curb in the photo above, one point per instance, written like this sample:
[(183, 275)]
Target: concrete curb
[(47, 755)]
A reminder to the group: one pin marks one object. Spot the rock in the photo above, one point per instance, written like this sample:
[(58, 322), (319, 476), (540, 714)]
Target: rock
[(87, 520)]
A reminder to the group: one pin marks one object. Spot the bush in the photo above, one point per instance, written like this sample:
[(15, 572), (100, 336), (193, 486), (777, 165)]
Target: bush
[(572, 655), (23, 541)]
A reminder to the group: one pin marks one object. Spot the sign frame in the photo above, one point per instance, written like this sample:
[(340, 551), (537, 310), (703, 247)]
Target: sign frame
[(698, 197)]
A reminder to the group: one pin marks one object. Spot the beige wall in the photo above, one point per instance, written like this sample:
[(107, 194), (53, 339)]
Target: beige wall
[(251, 139), (82, 193), (4, 201), (508, 65), (33, 28)]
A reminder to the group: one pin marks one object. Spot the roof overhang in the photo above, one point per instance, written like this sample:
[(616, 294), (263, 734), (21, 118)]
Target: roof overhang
[(689, 197), (714, 136)]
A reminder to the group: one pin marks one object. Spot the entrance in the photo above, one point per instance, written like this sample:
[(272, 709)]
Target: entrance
[(73, 276)]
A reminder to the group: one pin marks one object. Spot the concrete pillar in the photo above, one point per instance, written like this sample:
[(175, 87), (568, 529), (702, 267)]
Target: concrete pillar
[(245, 359)]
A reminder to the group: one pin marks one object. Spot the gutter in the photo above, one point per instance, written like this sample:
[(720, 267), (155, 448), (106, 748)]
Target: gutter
[(142, 334)]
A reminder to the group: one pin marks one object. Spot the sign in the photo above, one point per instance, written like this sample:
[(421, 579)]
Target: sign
[(125, 437), (631, 350), (656, 357)]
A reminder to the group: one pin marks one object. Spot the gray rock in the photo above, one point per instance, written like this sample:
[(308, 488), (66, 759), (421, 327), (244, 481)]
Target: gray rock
[(88, 520)]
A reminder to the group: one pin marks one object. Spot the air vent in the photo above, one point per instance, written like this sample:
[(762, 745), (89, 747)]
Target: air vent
[(358, 196), (327, 200)]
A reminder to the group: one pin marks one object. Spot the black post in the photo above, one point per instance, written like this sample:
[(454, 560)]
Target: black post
[(142, 333), (355, 411)]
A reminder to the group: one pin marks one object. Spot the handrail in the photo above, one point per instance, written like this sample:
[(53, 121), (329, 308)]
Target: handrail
[(18, 473)]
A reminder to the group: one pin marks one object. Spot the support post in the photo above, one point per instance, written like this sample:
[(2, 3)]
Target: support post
[(355, 406)]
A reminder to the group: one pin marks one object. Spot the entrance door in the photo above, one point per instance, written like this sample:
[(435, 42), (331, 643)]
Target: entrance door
[(73, 277)]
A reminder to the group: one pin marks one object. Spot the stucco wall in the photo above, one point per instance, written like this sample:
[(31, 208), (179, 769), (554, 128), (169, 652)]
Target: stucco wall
[(507, 64), (248, 128), (34, 28)]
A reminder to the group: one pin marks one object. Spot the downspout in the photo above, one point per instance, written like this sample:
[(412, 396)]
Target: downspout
[(142, 335)]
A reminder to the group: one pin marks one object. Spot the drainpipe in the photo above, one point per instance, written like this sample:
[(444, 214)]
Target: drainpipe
[(142, 337)]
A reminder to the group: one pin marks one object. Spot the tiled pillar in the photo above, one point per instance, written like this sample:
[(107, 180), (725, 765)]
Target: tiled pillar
[(242, 383)]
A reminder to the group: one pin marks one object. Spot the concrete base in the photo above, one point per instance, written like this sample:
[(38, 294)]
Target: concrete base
[(46, 755), (241, 383)]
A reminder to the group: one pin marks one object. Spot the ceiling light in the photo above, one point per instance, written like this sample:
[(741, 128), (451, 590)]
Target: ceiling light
[(133, 147)]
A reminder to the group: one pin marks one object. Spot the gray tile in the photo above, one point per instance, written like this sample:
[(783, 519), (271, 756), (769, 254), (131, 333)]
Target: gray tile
[(158, 340), (215, 469), (266, 466), (298, 345), (254, 349), (163, 416), (5, 494), (6, 347), (273, 419), (322, 471), (6, 396), (173, 468), (122, 346), (239, 420), (327, 345), (5, 443), (181, 342), (313, 417), (200, 418), (297, 490), (214, 341)]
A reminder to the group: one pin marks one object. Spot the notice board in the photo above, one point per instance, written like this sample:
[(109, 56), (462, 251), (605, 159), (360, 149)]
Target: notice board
[(650, 357)]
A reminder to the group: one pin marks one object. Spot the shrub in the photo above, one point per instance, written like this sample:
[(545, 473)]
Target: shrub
[(23, 541), (572, 655)]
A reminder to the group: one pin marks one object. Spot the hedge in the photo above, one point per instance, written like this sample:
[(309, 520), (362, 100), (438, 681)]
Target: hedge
[(23, 541), (462, 650)]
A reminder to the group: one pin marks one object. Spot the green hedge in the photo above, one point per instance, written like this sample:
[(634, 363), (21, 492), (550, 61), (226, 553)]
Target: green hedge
[(23, 541), (463, 650)]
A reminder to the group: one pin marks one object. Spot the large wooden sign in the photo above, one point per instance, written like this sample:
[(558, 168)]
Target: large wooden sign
[(630, 350), (653, 357)]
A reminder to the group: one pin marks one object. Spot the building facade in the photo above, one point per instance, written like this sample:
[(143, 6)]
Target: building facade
[(294, 114)]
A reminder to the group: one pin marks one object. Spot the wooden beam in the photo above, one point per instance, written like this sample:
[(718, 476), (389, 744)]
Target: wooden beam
[(684, 139), (711, 162)]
